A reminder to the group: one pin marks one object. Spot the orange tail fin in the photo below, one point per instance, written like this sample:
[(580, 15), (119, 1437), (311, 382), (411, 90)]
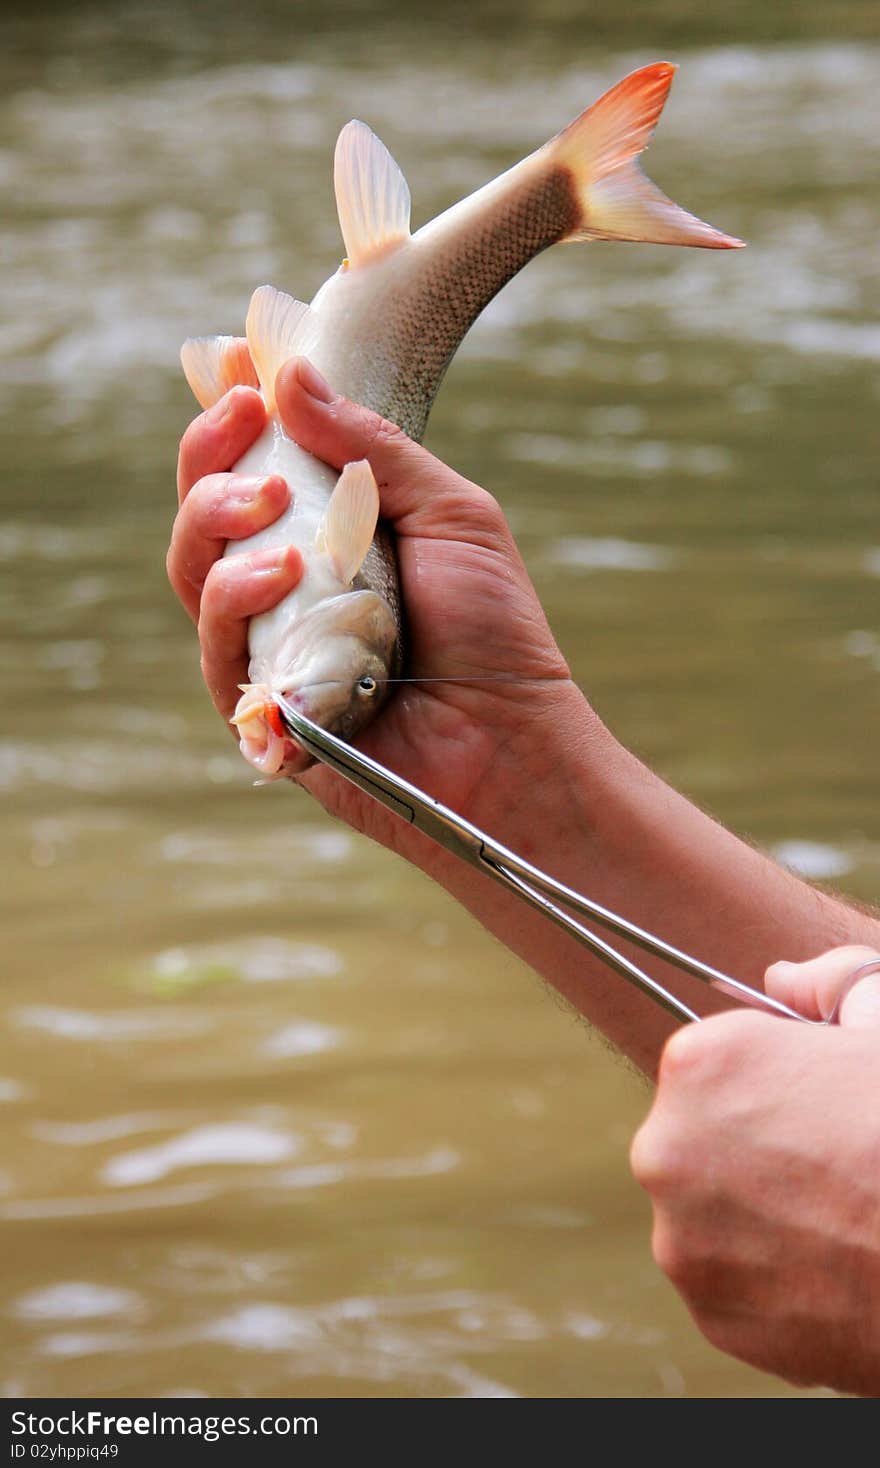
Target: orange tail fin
[(600, 149)]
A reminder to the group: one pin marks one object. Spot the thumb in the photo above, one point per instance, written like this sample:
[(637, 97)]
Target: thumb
[(838, 981), (419, 494)]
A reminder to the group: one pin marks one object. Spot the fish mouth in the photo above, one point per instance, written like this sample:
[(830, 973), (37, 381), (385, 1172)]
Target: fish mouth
[(263, 739)]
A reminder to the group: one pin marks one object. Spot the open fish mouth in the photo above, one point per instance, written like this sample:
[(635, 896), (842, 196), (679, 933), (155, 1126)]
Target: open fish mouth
[(263, 739)]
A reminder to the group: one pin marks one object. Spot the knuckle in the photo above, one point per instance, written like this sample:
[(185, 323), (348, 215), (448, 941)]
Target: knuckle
[(660, 1158), (215, 510), (485, 506), (190, 439), (478, 514), (206, 493), (684, 1055), (209, 678), (717, 1329), (669, 1256), (738, 1336), (385, 434), (644, 1159), (389, 442), (215, 587), (179, 569), (171, 564), (685, 1267), (701, 1055)]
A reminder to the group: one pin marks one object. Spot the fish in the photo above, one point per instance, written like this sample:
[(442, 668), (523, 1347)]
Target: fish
[(382, 330)]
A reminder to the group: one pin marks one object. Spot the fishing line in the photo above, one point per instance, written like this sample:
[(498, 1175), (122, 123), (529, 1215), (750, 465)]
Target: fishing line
[(451, 678), (485, 678), (462, 678)]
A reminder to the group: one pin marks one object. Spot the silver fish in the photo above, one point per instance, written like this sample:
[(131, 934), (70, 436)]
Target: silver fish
[(382, 330)]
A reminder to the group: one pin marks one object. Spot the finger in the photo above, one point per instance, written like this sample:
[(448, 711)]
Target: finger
[(236, 589), (420, 494), (860, 1008), (814, 988), (219, 508), (216, 440)]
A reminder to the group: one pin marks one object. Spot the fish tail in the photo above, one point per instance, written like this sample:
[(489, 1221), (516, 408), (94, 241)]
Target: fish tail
[(614, 199)]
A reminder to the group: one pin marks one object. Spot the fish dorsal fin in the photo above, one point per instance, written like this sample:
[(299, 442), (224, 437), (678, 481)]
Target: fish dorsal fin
[(349, 523), (372, 195), (214, 364), (274, 323)]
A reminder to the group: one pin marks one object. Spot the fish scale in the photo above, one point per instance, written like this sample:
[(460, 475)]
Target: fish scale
[(435, 313)]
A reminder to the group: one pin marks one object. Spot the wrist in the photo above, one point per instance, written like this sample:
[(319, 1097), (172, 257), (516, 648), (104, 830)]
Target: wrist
[(544, 789)]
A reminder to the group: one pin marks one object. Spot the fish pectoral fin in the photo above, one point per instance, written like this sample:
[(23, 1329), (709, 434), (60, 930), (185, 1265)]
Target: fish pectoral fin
[(275, 328), (349, 523), (616, 201), (214, 364), (372, 195)]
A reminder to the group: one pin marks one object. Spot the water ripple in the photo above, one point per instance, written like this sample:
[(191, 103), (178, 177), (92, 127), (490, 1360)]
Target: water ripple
[(96, 1205), (303, 1038), (321, 1174), (253, 960), (80, 1024), (813, 859), (76, 1300), (229, 1144), (610, 554)]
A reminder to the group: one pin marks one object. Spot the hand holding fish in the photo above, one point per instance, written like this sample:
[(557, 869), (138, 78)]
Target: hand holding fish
[(760, 1156), (472, 612)]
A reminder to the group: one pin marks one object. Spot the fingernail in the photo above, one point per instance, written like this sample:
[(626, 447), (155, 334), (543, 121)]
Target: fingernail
[(277, 562), (248, 491), (313, 383)]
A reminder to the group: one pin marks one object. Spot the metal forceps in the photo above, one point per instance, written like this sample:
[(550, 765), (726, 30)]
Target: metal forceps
[(529, 883)]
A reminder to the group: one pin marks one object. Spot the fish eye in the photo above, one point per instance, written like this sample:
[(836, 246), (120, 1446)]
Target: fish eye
[(366, 685)]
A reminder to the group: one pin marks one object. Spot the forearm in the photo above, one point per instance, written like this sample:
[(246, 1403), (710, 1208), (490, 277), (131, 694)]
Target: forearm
[(601, 822), (525, 758)]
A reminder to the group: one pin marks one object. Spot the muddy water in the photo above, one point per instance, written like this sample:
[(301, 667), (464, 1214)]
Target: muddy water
[(277, 1118)]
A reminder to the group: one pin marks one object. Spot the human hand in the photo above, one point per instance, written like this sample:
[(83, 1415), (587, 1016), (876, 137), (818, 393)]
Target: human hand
[(471, 611), (832, 984), (760, 1155)]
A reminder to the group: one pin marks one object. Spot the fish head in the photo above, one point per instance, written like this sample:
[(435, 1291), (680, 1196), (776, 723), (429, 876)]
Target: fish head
[(334, 668), (339, 676)]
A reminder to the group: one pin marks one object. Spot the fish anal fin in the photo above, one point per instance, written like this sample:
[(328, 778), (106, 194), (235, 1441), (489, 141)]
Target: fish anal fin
[(214, 364), (372, 195), (349, 523), (615, 200), (275, 324)]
